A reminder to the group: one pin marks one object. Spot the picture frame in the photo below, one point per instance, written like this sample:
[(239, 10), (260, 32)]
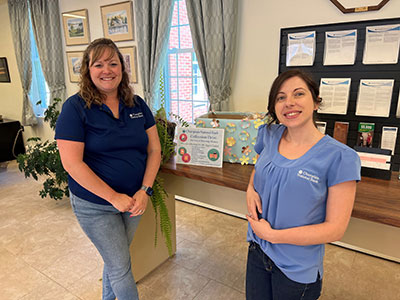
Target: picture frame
[(76, 27), (130, 59), (117, 20), (347, 6), (4, 73), (74, 59)]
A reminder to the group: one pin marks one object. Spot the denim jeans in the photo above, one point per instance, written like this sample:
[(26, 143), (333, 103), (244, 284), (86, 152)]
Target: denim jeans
[(264, 280), (111, 232)]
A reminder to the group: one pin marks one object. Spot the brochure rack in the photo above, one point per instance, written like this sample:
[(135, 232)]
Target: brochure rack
[(356, 72)]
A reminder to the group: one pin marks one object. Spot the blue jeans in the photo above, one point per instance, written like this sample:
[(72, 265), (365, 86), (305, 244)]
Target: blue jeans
[(111, 232), (264, 280)]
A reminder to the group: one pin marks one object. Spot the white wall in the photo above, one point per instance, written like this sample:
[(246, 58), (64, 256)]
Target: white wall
[(256, 63), (257, 54)]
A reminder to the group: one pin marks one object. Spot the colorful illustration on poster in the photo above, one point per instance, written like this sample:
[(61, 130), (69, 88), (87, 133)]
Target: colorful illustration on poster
[(213, 154)]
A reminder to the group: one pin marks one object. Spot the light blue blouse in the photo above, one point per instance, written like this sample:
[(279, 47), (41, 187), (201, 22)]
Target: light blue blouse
[(294, 193)]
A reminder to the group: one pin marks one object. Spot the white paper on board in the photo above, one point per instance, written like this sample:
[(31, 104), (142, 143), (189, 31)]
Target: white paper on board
[(335, 95), (374, 97), (382, 44), (389, 136), (340, 47), (300, 49)]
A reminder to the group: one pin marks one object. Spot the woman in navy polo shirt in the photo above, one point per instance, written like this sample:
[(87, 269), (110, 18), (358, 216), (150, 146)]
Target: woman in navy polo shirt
[(109, 146), (300, 195)]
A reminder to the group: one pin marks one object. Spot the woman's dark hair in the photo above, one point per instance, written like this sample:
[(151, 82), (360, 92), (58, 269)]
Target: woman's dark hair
[(276, 86), (88, 91)]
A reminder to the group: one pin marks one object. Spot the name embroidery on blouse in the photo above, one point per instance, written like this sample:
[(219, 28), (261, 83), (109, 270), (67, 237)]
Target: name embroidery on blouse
[(307, 176), (136, 115)]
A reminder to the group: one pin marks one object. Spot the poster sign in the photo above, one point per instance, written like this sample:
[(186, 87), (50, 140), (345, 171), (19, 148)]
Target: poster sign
[(200, 146)]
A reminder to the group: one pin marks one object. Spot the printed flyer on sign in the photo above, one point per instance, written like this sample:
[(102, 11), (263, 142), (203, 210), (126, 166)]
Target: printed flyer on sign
[(340, 47), (335, 92), (200, 146), (300, 49)]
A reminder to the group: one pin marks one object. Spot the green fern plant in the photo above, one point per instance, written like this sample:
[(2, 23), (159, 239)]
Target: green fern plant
[(42, 159)]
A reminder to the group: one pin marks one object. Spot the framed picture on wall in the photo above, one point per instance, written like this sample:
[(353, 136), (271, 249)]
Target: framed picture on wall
[(130, 58), (4, 73), (76, 27), (74, 59), (117, 21), (351, 6)]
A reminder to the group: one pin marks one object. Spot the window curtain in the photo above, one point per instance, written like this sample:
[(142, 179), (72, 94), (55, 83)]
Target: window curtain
[(153, 18), (47, 29), (213, 26), (19, 19)]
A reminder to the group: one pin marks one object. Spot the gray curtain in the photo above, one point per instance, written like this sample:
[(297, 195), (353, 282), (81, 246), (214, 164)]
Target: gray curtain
[(153, 18), (213, 26), (19, 18), (47, 30)]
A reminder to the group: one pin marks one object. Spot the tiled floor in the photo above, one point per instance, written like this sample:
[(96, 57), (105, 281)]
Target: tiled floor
[(44, 255)]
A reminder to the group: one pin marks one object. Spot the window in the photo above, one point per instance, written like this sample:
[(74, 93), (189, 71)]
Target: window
[(39, 90), (184, 88)]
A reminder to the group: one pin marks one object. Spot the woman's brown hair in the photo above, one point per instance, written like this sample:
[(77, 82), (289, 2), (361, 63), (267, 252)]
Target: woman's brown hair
[(88, 91), (276, 86)]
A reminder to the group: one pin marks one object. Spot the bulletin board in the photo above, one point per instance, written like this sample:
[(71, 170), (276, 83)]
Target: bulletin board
[(356, 72)]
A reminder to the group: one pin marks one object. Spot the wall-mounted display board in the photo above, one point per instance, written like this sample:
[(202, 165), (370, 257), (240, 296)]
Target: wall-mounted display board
[(359, 74)]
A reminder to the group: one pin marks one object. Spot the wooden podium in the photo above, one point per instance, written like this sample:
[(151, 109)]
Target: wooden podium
[(145, 257)]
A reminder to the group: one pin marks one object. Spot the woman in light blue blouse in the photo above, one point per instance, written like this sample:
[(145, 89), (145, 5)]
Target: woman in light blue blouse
[(300, 195)]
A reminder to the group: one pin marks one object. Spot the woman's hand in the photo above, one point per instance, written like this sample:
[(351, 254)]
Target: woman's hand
[(141, 199), (262, 229), (253, 202), (122, 202)]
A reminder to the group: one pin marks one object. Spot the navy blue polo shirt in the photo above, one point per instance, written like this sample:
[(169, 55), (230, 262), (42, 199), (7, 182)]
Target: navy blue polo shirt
[(115, 149)]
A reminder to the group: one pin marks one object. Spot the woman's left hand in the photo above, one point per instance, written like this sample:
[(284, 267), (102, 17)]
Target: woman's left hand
[(141, 199), (262, 228)]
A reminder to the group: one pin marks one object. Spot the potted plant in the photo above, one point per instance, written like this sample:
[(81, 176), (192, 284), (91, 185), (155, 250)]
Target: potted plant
[(42, 159)]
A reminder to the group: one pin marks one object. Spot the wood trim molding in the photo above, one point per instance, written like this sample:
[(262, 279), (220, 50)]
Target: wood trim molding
[(358, 9)]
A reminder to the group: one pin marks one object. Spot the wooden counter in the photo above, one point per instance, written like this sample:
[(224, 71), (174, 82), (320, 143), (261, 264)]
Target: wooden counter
[(376, 200), (374, 227)]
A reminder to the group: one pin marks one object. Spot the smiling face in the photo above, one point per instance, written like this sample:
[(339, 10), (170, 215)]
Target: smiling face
[(294, 104), (106, 72)]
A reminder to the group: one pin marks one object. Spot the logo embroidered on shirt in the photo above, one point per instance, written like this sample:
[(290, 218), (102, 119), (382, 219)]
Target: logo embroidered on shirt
[(307, 176), (136, 116)]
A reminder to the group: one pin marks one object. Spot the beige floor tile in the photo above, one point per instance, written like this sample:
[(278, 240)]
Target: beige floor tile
[(223, 268), (21, 282), (376, 279), (70, 268), (190, 255), (152, 278), (193, 230), (240, 283), (216, 291), (50, 291), (9, 262), (28, 241), (176, 283), (228, 241), (89, 286), (339, 275), (11, 231), (44, 257), (146, 293)]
